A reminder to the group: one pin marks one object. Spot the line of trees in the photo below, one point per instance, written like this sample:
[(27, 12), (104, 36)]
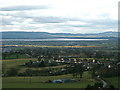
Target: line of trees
[(56, 52)]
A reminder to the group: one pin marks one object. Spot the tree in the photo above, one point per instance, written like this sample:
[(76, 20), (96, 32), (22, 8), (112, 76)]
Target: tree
[(80, 70), (77, 69), (12, 72)]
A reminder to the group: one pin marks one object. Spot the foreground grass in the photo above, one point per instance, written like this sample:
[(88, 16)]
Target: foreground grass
[(35, 83), (39, 82), (38, 79), (45, 85)]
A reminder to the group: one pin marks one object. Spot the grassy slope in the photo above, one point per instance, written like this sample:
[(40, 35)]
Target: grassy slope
[(20, 56), (15, 62), (45, 85)]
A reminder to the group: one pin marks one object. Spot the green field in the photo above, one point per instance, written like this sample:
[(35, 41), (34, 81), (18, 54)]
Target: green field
[(14, 56), (45, 85), (15, 63), (39, 82)]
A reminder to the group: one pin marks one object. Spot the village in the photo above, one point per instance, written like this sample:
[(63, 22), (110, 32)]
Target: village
[(68, 63)]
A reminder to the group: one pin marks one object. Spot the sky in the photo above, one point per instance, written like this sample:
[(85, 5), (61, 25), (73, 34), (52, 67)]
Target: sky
[(59, 16)]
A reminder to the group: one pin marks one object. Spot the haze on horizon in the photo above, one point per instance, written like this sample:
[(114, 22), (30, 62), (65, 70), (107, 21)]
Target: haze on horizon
[(59, 16)]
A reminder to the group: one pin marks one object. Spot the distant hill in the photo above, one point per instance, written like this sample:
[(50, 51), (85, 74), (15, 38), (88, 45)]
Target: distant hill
[(25, 35), (45, 35)]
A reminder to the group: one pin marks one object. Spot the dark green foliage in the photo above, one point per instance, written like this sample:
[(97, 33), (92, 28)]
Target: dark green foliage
[(12, 72), (108, 72), (77, 69)]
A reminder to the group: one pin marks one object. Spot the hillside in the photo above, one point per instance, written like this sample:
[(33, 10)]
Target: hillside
[(45, 35)]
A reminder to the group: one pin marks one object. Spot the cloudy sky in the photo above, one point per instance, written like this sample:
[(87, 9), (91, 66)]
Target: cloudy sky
[(59, 16)]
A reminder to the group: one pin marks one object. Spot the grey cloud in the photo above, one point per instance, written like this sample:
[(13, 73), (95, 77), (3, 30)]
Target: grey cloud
[(22, 8), (80, 26), (28, 27), (93, 24), (8, 21), (48, 19), (107, 24), (38, 19)]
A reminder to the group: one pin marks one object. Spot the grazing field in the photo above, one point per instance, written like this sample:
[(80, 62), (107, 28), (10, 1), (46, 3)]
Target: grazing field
[(39, 82), (46, 85)]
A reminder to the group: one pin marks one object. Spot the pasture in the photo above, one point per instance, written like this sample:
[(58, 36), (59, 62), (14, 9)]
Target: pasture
[(39, 82)]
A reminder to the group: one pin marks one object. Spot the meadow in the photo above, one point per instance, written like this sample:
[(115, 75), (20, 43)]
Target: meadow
[(39, 82), (45, 85)]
